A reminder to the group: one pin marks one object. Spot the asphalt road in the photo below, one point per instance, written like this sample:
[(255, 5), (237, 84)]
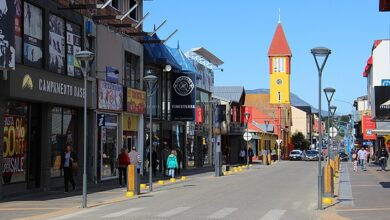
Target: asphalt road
[(287, 190)]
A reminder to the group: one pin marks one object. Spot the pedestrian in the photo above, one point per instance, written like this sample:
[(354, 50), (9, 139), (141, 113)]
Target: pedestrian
[(383, 155), (250, 155), (368, 155), (135, 158), (179, 159), (68, 163), (123, 162), (242, 156), (355, 165), (172, 164), (362, 156), (165, 154)]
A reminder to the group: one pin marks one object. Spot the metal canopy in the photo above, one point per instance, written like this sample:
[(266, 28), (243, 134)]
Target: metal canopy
[(201, 51)]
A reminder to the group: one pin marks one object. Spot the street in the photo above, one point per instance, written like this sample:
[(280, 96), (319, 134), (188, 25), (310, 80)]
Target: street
[(283, 191)]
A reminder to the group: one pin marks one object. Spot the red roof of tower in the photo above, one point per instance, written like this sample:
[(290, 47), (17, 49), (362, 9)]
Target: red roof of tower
[(279, 45)]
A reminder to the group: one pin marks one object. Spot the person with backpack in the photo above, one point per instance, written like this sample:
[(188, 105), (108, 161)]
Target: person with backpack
[(123, 162), (172, 164), (383, 155)]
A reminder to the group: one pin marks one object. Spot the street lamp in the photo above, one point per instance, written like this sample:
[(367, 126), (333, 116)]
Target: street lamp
[(247, 115), (329, 92), (151, 87), (319, 53), (216, 148), (84, 57)]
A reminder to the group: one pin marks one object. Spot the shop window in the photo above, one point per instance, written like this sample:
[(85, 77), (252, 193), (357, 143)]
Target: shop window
[(56, 44), (132, 77), (32, 37), (73, 45), (15, 143), (18, 30), (63, 131), (134, 13), (108, 147)]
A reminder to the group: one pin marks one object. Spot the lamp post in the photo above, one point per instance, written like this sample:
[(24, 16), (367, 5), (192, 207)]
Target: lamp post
[(216, 148), (84, 57), (332, 110), (247, 115), (329, 92), (151, 86), (320, 52)]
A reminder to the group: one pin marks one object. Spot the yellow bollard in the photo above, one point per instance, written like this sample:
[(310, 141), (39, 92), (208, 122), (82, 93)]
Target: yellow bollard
[(225, 173), (230, 172), (172, 180), (183, 178), (143, 186), (250, 165), (160, 182)]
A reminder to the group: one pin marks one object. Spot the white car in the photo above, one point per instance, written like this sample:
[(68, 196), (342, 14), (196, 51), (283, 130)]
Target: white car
[(296, 155)]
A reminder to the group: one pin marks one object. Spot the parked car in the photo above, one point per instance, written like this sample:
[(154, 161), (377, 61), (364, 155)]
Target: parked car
[(296, 155), (311, 155), (343, 156)]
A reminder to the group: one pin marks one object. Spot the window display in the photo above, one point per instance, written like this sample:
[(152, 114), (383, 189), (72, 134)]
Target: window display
[(108, 147), (56, 44), (73, 43), (32, 38)]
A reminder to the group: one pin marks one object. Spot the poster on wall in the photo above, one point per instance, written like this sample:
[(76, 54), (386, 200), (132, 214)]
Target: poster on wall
[(7, 34), (15, 148), (32, 38), (381, 106), (110, 96), (56, 44), (18, 31), (135, 101), (183, 97), (73, 43)]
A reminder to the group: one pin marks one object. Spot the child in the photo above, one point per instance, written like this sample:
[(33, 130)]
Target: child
[(355, 165), (172, 164)]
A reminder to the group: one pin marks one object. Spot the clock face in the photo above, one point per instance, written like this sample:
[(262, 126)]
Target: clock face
[(279, 81)]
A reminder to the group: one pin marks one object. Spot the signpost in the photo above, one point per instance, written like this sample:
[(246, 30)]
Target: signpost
[(247, 136)]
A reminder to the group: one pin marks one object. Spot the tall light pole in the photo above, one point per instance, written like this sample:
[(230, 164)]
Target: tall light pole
[(332, 110), (84, 57), (247, 115), (318, 53), (329, 92), (217, 149), (151, 86)]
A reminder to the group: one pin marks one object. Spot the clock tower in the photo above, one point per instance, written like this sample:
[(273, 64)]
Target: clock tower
[(279, 55)]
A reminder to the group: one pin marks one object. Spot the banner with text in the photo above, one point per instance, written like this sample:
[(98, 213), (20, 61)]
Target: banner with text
[(183, 97)]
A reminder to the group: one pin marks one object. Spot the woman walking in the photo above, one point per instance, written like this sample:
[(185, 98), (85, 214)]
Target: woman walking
[(123, 162), (172, 164), (383, 155), (68, 163)]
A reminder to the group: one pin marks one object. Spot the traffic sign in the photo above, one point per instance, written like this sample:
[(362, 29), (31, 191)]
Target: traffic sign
[(333, 131), (247, 136)]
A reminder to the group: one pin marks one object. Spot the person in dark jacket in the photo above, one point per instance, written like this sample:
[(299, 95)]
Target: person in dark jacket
[(250, 155), (383, 155), (123, 162), (68, 161), (154, 161)]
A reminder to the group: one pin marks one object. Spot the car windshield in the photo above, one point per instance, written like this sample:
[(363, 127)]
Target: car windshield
[(311, 152)]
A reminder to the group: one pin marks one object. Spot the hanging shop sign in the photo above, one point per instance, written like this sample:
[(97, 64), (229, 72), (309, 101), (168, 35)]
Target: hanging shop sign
[(381, 107), (183, 97), (7, 30), (135, 101), (110, 96), (15, 148), (368, 125)]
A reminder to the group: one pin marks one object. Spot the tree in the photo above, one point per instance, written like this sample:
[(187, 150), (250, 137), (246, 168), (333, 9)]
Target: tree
[(299, 141)]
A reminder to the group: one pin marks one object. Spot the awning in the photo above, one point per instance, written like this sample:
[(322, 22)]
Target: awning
[(255, 136), (184, 62), (158, 53), (201, 51), (369, 61)]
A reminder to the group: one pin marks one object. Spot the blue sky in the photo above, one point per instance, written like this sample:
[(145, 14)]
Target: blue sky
[(240, 32)]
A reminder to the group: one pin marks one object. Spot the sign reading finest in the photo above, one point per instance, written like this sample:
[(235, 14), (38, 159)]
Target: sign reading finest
[(183, 97)]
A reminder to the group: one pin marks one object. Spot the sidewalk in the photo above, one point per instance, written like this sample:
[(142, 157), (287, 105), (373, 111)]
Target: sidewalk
[(364, 194), (55, 203)]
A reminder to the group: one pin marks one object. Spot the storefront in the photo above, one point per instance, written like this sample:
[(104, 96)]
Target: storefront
[(42, 115), (108, 117), (132, 120)]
